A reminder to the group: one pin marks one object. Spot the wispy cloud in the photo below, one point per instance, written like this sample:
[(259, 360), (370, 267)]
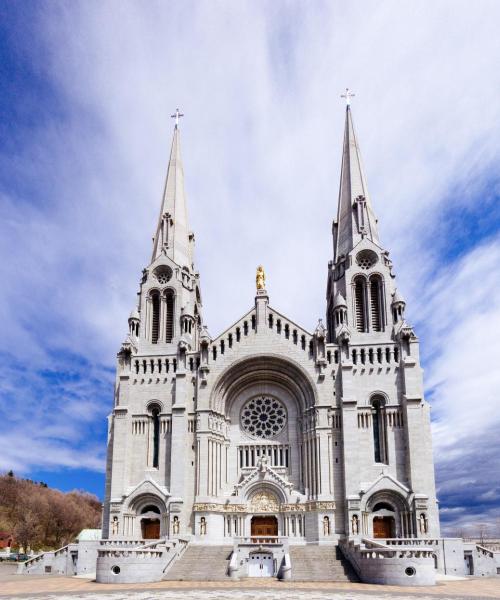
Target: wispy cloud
[(259, 84)]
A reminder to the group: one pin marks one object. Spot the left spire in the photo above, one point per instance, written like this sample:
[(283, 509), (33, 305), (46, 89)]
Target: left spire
[(172, 236)]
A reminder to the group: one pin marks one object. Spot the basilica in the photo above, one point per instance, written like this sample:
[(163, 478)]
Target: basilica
[(270, 450), (268, 428)]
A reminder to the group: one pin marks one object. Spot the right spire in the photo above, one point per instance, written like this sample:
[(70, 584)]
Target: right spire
[(355, 218)]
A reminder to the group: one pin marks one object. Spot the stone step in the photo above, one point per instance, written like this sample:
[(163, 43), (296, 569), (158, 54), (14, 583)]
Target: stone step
[(320, 563), (201, 563)]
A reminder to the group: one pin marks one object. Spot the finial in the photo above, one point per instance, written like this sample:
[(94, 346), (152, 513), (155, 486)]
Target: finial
[(348, 95), (177, 115), (260, 278)]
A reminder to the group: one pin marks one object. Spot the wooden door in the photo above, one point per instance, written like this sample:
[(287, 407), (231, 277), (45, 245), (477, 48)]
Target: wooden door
[(264, 526), (151, 529), (382, 527)]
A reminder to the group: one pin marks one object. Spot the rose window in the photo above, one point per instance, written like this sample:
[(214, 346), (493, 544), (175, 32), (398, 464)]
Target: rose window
[(366, 259), (163, 275), (263, 417)]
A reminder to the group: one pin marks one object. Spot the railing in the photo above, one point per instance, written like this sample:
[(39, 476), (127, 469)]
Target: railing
[(147, 553), (121, 542), (411, 541), (379, 549), (260, 539)]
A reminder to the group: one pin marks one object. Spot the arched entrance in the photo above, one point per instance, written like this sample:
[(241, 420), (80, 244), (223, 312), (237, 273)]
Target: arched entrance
[(150, 522), (264, 526)]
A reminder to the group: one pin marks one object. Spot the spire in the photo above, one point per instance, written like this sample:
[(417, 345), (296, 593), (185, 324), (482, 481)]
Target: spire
[(172, 236), (356, 219)]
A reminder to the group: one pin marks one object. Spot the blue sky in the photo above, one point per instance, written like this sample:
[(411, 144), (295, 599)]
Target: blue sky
[(86, 94)]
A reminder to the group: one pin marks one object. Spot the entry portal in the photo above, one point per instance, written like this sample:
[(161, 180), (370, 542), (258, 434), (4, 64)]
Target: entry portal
[(261, 565), (383, 527), (264, 526), (151, 529)]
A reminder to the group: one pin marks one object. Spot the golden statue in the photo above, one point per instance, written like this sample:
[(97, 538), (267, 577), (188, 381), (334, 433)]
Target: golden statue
[(260, 278)]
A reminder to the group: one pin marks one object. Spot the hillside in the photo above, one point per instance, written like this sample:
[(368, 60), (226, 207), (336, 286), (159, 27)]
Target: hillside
[(44, 518)]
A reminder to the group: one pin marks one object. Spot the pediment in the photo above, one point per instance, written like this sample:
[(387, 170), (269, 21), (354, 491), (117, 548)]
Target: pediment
[(263, 474), (146, 487), (385, 483)]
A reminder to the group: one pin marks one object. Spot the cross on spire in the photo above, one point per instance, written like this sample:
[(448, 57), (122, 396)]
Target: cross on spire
[(348, 95), (177, 115)]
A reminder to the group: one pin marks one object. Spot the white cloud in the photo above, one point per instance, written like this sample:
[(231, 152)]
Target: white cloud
[(259, 84)]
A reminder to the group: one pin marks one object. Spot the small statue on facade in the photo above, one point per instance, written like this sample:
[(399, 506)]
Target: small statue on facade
[(175, 527), (260, 278), (423, 523), (114, 526), (355, 525), (326, 526), (203, 526), (262, 464)]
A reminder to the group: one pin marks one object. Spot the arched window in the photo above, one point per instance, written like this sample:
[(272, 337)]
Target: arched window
[(155, 415), (155, 317), (379, 435), (169, 320), (376, 312), (360, 303)]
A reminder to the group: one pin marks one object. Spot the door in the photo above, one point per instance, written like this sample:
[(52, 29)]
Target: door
[(151, 529), (382, 527), (261, 565), (264, 526)]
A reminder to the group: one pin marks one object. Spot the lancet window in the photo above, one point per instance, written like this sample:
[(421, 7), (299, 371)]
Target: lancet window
[(379, 429), (154, 411), (376, 303), (360, 303), (155, 316), (169, 316)]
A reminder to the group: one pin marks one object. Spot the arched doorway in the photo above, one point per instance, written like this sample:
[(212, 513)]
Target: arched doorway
[(150, 522), (264, 526)]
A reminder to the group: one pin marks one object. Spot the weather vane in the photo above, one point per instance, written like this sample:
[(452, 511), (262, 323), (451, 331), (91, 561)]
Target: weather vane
[(177, 115), (348, 95)]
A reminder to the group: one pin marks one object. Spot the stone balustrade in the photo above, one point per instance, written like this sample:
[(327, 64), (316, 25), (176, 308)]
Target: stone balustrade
[(376, 562)]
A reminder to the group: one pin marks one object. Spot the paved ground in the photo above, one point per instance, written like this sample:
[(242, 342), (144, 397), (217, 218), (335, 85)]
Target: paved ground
[(71, 588)]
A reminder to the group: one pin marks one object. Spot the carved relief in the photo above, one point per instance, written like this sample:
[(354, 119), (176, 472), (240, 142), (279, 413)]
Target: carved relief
[(264, 502)]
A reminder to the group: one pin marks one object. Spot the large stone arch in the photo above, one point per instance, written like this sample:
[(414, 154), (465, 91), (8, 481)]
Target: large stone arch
[(260, 369)]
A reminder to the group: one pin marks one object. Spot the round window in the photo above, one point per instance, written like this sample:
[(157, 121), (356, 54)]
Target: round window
[(263, 417), (163, 274), (366, 259), (410, 571), (115, 569)]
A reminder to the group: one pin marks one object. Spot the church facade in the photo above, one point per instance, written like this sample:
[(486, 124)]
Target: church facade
[(269, 429)]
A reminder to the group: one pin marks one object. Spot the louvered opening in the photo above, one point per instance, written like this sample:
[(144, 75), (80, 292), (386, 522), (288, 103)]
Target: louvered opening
[(169, 325), (359, 299), (155, 321), (375, 305)]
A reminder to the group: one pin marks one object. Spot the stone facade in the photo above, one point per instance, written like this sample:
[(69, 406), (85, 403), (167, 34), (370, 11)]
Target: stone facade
[(269, 429)]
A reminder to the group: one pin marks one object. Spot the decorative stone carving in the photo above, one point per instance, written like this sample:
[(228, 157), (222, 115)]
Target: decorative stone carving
[(320, 505), (293, 508), (208, 507), (264, 502)]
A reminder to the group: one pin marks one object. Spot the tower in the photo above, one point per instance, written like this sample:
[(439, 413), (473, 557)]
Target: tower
[(386, 423), (153, 392)]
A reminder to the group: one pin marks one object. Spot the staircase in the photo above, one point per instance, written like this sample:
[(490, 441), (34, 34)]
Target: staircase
[(320, 563), (201, 563)]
